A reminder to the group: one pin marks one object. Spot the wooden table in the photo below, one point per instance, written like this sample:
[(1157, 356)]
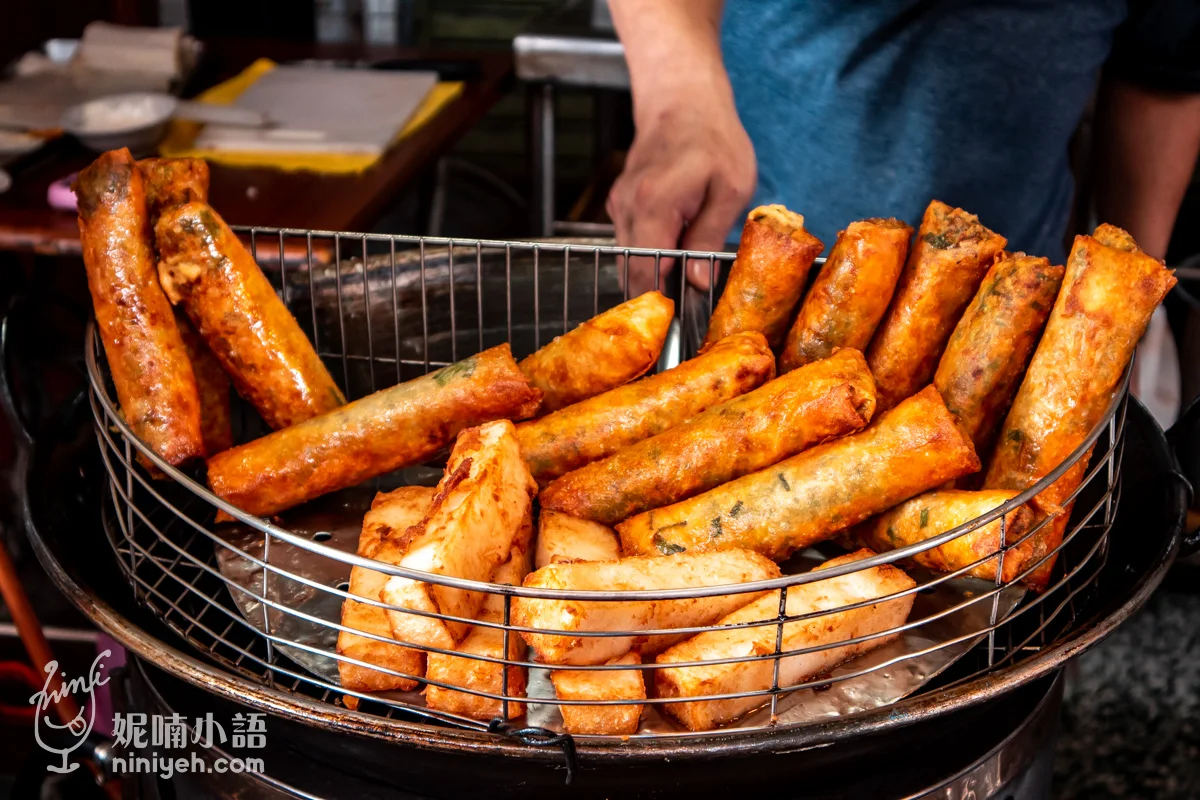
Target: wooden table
[(265, 196)]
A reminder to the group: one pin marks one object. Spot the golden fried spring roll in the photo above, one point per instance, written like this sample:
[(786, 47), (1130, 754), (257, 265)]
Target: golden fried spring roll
[(603, 353), (623, 684), (383, 539), (934, 513), (952, 252), (1109, 291), (482, 503), (146, 355), (768, 277), (991, 346), (850, 294), (562, 537), (212, 385), (172, 182), (204, 267), (390, 429), (808, 498), (467, 670), (821, 401), (583, 616), (576, 435), (826, 630)]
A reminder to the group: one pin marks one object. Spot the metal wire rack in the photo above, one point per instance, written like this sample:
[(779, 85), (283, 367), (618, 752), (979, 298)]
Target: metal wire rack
[(383, 309)]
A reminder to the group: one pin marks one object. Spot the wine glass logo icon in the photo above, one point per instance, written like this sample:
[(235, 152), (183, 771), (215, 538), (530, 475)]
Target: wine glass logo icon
[(76, 729)]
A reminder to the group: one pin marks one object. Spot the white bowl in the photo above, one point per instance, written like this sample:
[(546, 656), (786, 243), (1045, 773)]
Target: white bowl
[(136, 120)]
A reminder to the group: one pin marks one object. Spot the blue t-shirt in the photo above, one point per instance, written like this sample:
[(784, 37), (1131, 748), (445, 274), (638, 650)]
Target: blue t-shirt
[(873, 108)]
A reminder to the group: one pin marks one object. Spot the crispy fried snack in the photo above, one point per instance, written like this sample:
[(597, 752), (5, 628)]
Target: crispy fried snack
[(952, 252), (582, 616), (204, 267), (482, 503), (808, 498), (393, 428), (580, 684), (990, 348), (468, 671), (562, 537), (173, 182), (768, 277), (576, 435), (146, 355), (383, 539), (821, 401), (826, 630), (1109, 291), (934, 513), (850, 294), (603, 353)]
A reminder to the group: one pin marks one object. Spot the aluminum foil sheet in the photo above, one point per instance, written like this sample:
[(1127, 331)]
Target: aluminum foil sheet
[(337, 520)]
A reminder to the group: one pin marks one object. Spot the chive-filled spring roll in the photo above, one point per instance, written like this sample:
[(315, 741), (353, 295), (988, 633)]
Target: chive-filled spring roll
[(850, 294), (821, 401), (1108, 293), (618, 684), (952, 252), (562, 537), (383, 538), (468, 670), (481, 510), (147, 359), (580, 617), (768, 277), (173, 182), (825, 631), (990, 348), (603, 353), (390, 429), (808, 498), (934, 513), (576, 435), (207, 270)]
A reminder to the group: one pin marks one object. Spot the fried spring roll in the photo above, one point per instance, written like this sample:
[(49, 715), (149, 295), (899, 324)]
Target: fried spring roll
[(1108, 293), (173, 182), (952, 252), (622, 684), (808, 498), (825, 631), (482, 503), (383, 539), (562, 537), (576, 435), (850, 294), (934, 513), (393, 428), (603, 353), (821, 401), (991, 346), (204, 267), (146, 355), (467, 670), (580, 617), (768, 277)]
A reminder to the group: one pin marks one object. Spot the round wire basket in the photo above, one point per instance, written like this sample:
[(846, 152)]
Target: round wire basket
[(262, 597)]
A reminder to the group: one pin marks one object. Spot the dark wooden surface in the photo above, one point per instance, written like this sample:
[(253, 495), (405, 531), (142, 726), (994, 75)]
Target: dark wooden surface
[(265, 196)]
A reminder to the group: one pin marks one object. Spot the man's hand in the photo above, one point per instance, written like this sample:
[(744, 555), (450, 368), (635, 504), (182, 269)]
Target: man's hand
[(691, 170)]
